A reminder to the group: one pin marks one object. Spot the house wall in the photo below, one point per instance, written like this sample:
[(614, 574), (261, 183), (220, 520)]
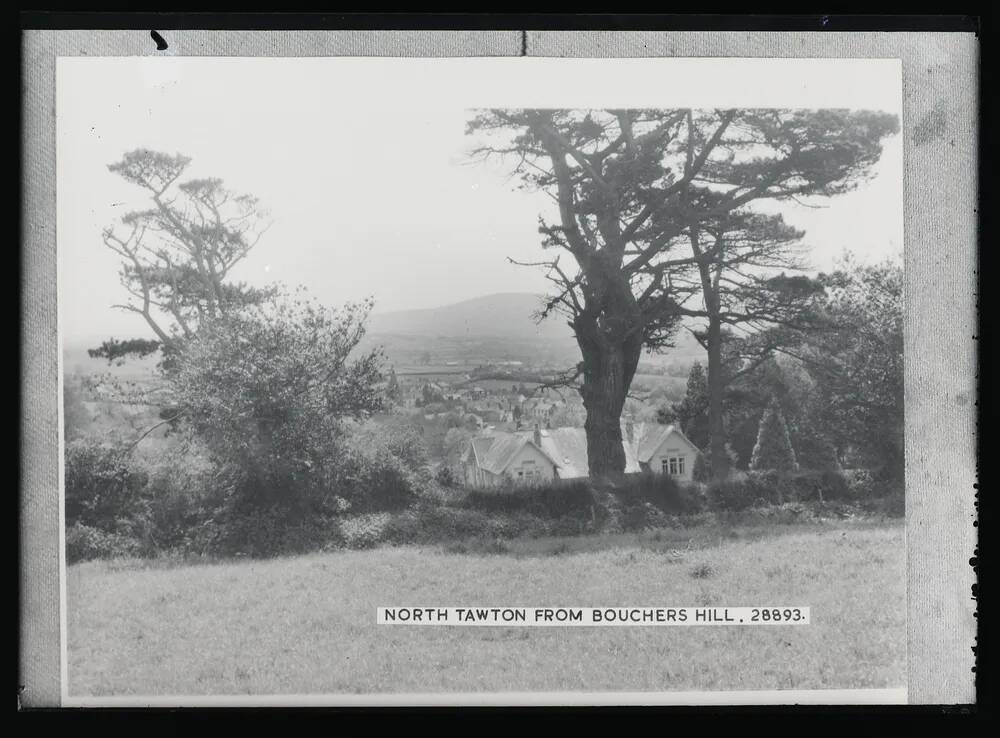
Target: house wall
[(536, 460), (476, 477), (673, 446)]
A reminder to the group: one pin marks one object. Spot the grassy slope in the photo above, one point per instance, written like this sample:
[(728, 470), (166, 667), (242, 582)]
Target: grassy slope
[(306, 625)]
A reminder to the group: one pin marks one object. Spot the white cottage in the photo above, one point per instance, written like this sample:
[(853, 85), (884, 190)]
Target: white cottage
[(497, 457), (561, 453)]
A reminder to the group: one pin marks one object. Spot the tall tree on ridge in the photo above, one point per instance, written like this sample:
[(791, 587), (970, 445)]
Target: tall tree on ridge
[(631, 187)]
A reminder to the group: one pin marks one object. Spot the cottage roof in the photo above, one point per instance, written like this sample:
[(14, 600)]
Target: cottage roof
[(648, 437), (496, 451), (567, 448)]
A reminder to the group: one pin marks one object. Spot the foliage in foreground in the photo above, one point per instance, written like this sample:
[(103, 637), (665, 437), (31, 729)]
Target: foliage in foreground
[(385, 494)]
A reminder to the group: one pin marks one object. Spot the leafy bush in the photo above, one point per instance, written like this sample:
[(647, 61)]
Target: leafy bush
[(182, 500), (661, 491), (268, 389), (643, 516), (702, 471), (785, 514), (445, 476), (376, 480), (554, 499), (774, 488), (275, 531), (861, 484), (84, 543), (424, 524), (364, 531), (731, 493), (382, 467), (103, 490), (819, 486)]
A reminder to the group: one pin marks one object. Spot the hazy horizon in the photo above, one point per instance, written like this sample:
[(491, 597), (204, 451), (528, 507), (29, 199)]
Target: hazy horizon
[(365, 176)]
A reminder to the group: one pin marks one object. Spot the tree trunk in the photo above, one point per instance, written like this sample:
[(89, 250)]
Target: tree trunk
[(716, 426), (608, 368), (718, 458)]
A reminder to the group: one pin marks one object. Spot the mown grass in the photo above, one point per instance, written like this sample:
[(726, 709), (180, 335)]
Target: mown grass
[(306, 625)]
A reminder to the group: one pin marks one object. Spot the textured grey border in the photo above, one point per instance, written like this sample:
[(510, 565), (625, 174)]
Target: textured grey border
[(940, 149), (940, 78)]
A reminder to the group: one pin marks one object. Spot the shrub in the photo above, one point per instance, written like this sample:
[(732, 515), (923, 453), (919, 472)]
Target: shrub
[(271, 531), (364, 531), (861, 484), (381, 468), (269, 389), (761, 488), (554, 499), (732, 493), (816, 452), (84, 543), (774, 488), (645, 515), (702, 471), (182, 500), (433, 524), (767, 487), (445, 476), (377, 480), (103, 490), (819, 486), (659, 490)]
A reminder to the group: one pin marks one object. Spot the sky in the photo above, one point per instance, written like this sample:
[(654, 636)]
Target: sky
[(364, 167)]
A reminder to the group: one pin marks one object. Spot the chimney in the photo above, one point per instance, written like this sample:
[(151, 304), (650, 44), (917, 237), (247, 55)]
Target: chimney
[(629, 428), (538, 436)]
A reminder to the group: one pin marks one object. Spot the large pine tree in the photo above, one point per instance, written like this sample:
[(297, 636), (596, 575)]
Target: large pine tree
[(648, 201), (773, 449)]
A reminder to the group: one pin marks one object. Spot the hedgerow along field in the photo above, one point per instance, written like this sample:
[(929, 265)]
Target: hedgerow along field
[(306, 625)]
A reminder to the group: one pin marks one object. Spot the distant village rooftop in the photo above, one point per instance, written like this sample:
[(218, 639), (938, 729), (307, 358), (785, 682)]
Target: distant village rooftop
[(561, 453)]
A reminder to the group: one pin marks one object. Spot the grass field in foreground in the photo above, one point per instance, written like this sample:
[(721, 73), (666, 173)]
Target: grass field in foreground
[(306, 625)]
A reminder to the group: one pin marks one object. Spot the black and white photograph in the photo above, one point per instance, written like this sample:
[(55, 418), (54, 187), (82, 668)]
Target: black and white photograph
[(419, 380)]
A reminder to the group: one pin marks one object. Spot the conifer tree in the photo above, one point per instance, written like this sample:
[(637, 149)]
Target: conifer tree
[(773, 449)]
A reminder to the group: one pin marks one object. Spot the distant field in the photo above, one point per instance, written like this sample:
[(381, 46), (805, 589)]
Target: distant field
[(306, 625), (501, 385), (428, 373), (77, 361)]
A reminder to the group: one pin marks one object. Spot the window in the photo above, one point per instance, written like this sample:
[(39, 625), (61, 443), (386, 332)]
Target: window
[(674, 466)]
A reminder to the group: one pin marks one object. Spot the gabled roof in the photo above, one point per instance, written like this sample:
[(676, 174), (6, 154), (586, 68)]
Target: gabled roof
[(495, 452), (567, 448), (649, 437), (480, 445)]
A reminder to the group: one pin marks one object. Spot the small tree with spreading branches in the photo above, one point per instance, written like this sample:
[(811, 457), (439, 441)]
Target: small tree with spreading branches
[(177, 255)]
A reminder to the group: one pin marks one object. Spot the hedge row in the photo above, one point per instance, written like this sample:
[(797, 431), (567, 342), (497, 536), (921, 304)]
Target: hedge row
[(757, 488)]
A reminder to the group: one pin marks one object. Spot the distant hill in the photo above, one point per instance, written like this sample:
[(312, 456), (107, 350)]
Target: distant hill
[(499, 327), (508, 315), (493, 327)]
